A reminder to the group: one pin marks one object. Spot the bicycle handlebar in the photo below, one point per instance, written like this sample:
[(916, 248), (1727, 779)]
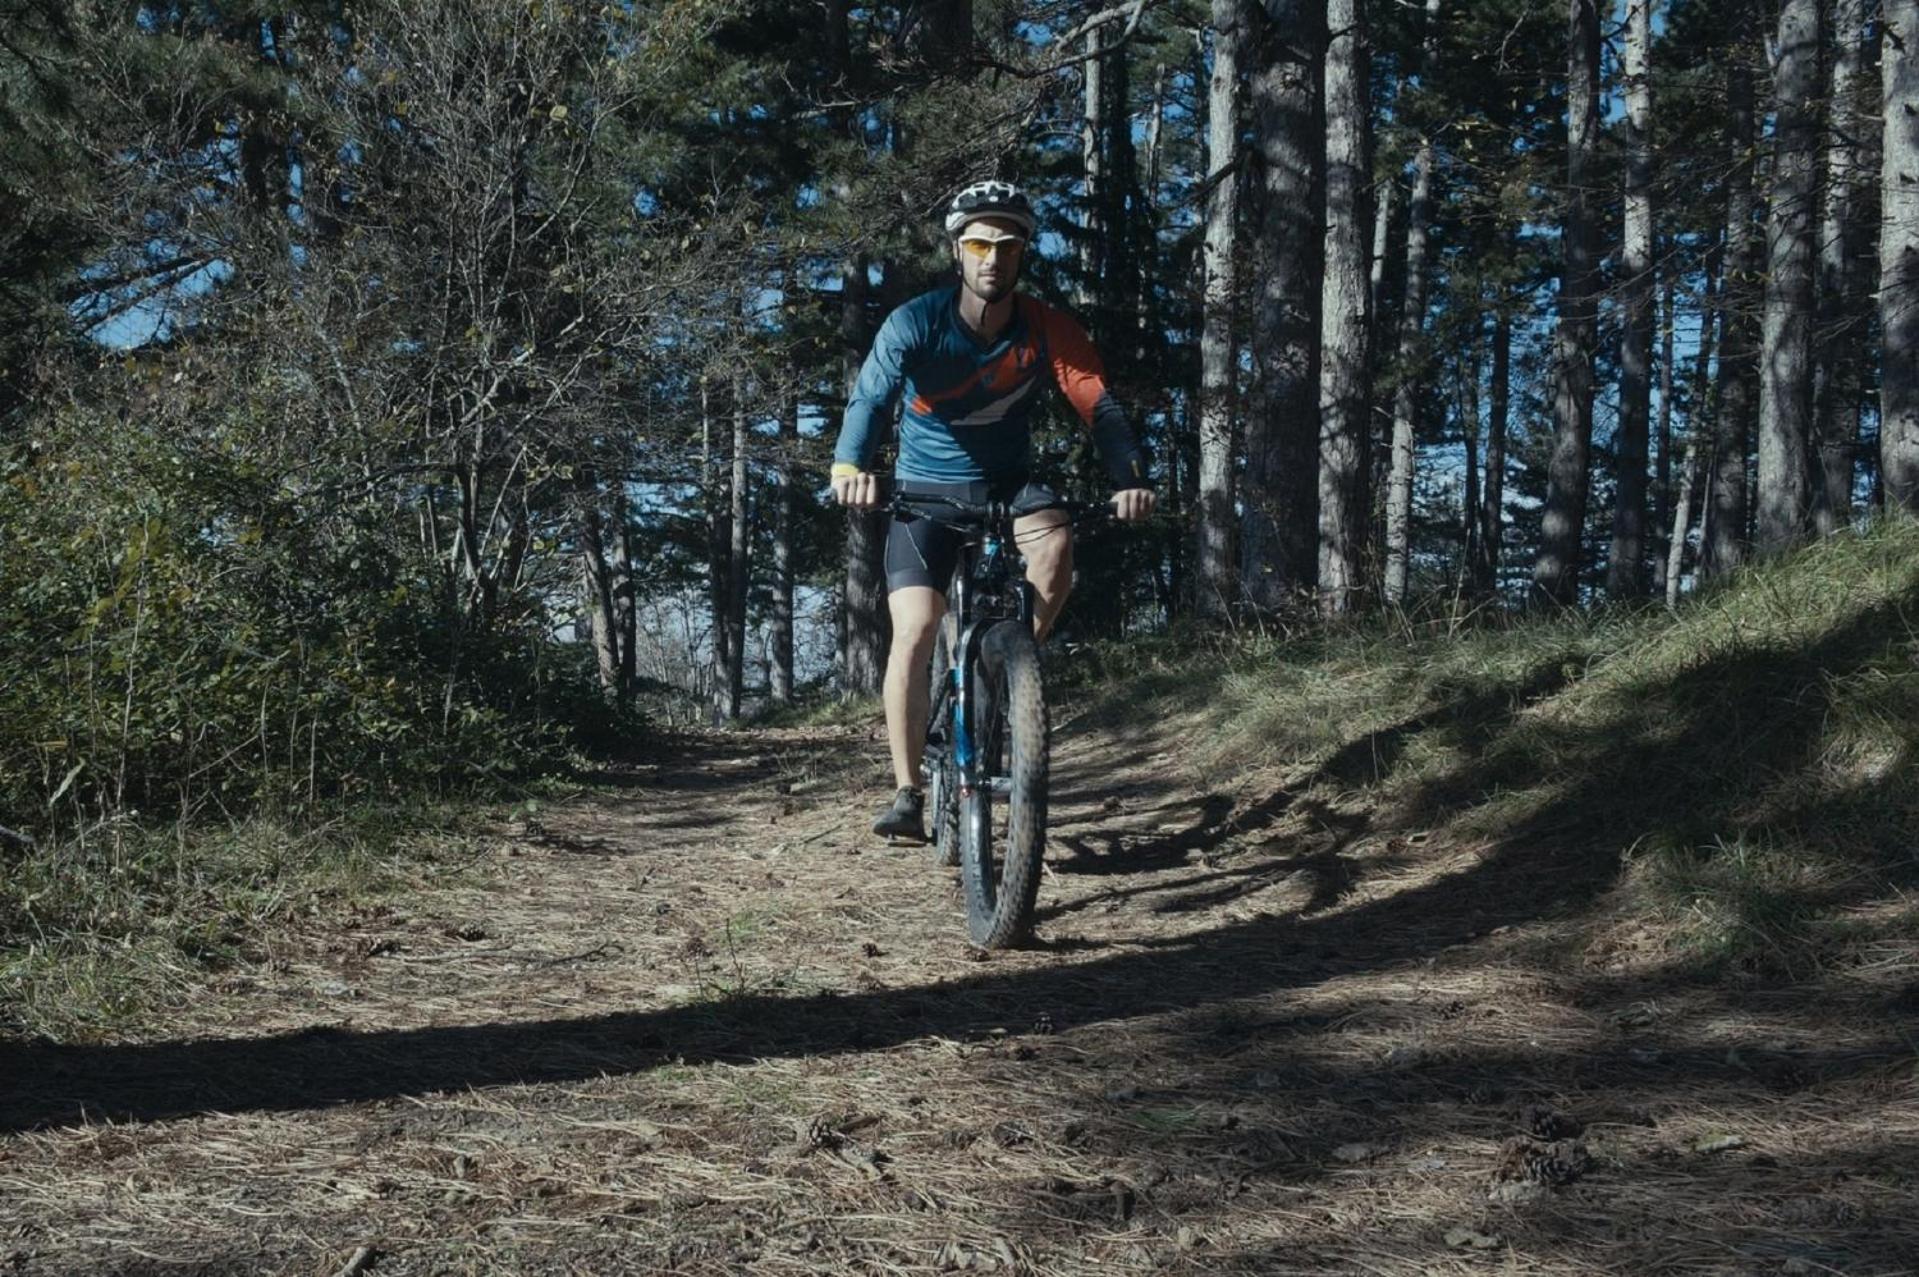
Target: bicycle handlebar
[(910, 503)]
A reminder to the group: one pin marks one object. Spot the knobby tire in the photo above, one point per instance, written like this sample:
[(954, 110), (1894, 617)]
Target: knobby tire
[(1002, 881)]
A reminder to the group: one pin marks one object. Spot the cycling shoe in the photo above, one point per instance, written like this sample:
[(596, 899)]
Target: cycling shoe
[(906, 818)]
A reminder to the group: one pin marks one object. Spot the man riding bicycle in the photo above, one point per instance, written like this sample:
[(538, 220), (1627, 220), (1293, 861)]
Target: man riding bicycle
[(972, 358)]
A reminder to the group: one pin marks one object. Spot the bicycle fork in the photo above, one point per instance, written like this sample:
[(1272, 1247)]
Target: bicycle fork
[(966, 754)]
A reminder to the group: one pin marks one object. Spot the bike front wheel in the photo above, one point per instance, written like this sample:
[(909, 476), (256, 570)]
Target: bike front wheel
[(1003, 818)]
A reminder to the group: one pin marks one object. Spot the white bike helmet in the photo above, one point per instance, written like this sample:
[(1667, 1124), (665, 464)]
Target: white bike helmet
[(991, 199)]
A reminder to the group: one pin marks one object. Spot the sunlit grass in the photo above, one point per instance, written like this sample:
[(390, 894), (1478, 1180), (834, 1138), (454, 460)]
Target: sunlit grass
[(1752, 754)]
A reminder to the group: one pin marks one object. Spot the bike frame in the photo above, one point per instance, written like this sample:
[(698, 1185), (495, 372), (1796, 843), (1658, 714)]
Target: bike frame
[(985, 565)]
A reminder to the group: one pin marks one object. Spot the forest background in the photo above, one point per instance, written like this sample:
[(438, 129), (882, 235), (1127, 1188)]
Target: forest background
[(394, 396)]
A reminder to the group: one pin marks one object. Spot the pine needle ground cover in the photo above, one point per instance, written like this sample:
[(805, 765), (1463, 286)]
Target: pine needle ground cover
[(1396, 952)]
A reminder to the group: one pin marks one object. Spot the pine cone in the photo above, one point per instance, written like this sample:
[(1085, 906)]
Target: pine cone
[(1554, 1164), (1543, 1121)]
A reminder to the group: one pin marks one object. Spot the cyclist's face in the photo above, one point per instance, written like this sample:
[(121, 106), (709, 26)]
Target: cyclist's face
[(990, 251)]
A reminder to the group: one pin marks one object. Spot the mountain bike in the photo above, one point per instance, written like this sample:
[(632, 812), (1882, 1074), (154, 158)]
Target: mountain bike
[(986, 753)]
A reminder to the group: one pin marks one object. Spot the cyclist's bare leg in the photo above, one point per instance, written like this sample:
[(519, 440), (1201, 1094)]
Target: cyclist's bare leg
[(1046, 539), (916, 612)]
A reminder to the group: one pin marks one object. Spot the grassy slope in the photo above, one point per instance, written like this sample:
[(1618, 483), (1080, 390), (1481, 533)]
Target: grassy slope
[(1750, 760)]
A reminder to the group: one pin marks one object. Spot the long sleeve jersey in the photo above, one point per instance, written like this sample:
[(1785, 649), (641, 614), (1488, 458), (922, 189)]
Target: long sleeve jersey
[(969, 404)]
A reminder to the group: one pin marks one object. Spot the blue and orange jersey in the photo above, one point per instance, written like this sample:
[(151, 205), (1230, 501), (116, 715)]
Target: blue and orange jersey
[(969, 404)]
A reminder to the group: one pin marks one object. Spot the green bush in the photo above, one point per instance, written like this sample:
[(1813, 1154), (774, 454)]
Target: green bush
[(180, 632)]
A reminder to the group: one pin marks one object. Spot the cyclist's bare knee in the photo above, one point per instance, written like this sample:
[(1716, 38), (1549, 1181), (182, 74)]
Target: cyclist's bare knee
[(1046, 540), (916, 611)]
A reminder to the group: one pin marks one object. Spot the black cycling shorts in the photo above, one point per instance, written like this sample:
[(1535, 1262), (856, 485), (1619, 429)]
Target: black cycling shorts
[(924, 551)]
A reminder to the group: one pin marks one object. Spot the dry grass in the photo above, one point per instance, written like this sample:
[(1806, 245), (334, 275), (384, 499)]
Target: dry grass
[(700, 1023)]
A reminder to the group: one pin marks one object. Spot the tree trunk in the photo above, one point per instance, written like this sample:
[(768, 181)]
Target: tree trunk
[(598, 580), (1092, 153), (1155, 127), (1722, 539), (1836, 390), (1785, 362), (862, 651), (626, 598), (736, 561), (1469, 424), (1383, 196), (1412, 347), (1493, 491), (1625, 568), (1662, 472), (1345, 312), (1119, 264), (719, 536), (780, 678), (1218, 349), (862, 592), (1899, 258), (1279, 522), (1556, 572), (1699, 430), (1146, 235), (1681, 517)]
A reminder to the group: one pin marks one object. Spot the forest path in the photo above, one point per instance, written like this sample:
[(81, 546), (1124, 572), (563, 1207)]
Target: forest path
[(699, 1021)]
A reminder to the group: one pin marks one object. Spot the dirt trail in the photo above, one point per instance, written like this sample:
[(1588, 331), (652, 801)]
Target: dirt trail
[(700, 1022)]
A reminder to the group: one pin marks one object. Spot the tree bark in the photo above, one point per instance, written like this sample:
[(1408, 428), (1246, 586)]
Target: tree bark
[(1218, 349), (1899, 258), (1279, 522), (1556, 572), (1625, 567), (736, 568), (1836, 389), (1681, 518), (1469, 428), (1119, 263), (1345, 312), (1155, 128), (598, 580), (1699, 430), (1722, 540), (1493, 490), (1383, 196), (1662, 473), (1092, 154), (862, 591), (626, 598), (719, 536), (1785, 382), (780, 678), (1412, 347), (862, 651)]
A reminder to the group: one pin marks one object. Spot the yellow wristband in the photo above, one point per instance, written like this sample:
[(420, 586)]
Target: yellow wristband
[(843, 469)]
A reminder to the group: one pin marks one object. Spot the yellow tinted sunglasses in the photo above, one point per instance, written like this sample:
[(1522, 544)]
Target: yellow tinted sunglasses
[(983, 247)]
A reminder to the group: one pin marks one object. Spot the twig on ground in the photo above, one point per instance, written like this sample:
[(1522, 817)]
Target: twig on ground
[(361, 1261)]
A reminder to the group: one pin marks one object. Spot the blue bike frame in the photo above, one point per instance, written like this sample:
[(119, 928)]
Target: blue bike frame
[(985, 562)]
